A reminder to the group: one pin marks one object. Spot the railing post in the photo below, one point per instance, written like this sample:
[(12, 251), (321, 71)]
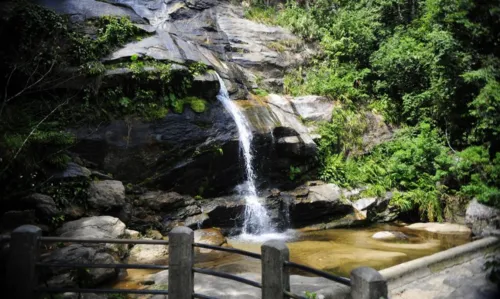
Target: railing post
[(181, 256), (368, 283), (275, 276), (21, 266)]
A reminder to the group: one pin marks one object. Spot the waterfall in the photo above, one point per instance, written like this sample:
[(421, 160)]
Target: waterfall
[(257, 220)]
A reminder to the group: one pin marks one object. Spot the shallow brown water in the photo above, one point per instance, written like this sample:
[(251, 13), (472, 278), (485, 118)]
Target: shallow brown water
[(341, 250), (336, 250)]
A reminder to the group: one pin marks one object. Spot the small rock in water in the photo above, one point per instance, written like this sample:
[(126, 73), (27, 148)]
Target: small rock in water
[(387, 235)]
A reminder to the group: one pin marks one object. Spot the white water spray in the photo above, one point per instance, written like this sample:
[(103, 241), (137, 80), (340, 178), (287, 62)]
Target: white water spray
[(257, 220)]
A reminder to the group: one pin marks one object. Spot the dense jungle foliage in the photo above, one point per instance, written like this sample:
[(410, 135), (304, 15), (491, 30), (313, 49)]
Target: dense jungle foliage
[(430, 67)]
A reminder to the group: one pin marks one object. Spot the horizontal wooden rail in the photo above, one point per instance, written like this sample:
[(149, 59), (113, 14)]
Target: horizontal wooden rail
[(341, 280), (23, 264), (228, 276), (230, 250)]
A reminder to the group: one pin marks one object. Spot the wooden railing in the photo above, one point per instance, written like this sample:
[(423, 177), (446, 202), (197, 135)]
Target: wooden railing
[(23, 266)]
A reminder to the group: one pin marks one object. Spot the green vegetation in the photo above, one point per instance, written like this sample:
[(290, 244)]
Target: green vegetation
[(294, 172), (260, 92), (428, 66), (311, 295)]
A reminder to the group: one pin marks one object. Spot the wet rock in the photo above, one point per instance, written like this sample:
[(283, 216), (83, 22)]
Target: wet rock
[(389, 236), (79, 254), (210, 236), (174, 153), (106, 195), (290, 145), (93, 228), (442, 228), (482, 219), (197, 221), (323, 203), (224, 212), (149, 254)]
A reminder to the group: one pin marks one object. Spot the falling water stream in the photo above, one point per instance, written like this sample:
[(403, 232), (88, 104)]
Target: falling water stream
[(257, 220)]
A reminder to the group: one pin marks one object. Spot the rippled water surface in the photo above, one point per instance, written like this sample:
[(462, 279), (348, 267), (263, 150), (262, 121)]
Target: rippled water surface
[(336, 250)]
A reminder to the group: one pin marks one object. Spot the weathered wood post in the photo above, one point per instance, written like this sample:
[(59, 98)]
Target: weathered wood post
[(275, 276), (181, 256), (21, 266), (368, 283)]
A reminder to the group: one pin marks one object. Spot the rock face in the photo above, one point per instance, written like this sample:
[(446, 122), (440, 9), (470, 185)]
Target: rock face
[(106, 195), (482, 219), (177, 152), (93, 228), (195, 149), (79, 254), (212, 32)]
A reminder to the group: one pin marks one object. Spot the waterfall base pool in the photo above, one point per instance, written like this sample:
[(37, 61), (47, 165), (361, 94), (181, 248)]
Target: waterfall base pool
[(335, 250), (341, 250)]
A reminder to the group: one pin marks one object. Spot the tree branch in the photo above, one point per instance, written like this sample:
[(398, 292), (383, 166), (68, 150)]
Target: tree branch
[(31, 133)]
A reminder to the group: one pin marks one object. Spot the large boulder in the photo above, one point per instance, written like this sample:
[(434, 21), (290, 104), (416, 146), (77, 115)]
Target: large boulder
[(149, 254), (93, 228), (106, 195), (44, 205), (382, 210), (482, 219), (323, 203), (165, 201), (224, 212), (210, 236), (79, 254)]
